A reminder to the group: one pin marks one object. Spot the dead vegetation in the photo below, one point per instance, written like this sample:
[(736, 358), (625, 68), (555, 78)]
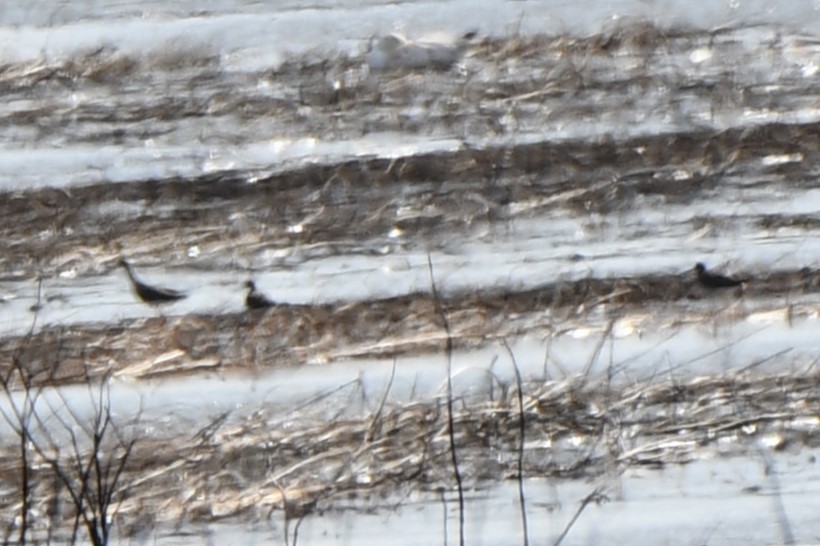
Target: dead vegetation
[(281, 466), (288, 464), (291, 335), (339, 207), (506, 87)]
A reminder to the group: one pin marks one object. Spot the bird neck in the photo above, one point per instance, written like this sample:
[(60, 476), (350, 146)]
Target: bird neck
[(129, 272)]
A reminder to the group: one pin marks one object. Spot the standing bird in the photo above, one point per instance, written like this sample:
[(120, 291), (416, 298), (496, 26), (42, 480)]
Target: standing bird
[(151, 294), (714, 280), (256, 299)]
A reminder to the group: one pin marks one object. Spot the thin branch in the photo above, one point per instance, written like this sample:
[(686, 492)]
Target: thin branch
[(596, 496), (450, 427), (322, 395), (371, 429), (597, 352), (786, 532), (522, 500)]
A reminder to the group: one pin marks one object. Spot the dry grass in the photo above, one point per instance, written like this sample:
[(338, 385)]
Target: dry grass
[(264, 464), (343, 206), (291, 335)]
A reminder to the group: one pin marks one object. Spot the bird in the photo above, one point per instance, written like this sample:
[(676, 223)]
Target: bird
[(256, 299), (151, 294), (714, 280)]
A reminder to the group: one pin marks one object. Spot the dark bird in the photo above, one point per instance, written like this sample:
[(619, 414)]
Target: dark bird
[(151, 294), (714, 280), (256, 299)]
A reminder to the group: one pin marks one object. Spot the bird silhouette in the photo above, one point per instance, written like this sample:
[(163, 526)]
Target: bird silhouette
[(150, 294), (256, 299), (714, 280)]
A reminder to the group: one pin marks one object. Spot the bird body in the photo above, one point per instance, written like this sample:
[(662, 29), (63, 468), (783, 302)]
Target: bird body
[(151, 294), (708, 279), (256, 299)]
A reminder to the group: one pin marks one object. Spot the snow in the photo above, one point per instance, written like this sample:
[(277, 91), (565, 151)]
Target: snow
[(703, 502)]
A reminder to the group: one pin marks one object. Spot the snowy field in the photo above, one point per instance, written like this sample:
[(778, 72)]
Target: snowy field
[(509, 194)]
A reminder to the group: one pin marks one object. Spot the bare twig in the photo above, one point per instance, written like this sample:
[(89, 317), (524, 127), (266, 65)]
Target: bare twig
[(450, 426), (377, 415), (296, 528), (593, 358), (92, 470), (522, 501), (786, 533), (596, 496), (20, 420), (325, 394)]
